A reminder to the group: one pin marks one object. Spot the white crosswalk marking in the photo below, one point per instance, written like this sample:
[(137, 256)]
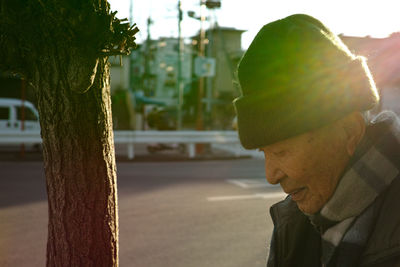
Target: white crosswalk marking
[(250, 183), (272, 195)]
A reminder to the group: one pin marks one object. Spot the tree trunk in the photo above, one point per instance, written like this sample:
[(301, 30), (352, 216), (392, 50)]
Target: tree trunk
[(80, 169), (61, 48)]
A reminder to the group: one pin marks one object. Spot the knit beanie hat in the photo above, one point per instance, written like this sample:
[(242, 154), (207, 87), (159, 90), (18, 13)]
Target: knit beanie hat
[(295, 77)]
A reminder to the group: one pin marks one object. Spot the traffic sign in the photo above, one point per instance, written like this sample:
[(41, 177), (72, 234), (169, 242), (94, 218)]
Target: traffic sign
[(204, 67)]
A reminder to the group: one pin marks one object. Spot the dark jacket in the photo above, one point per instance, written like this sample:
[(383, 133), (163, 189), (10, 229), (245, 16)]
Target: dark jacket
[(296, 242)]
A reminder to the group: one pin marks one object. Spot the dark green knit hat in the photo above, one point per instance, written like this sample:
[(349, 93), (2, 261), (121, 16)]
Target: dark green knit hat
[(295, 77)]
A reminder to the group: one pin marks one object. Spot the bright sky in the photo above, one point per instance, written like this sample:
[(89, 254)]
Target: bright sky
[(351, 17)]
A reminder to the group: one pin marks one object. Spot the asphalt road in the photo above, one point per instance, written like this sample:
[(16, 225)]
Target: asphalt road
[(172, 214)]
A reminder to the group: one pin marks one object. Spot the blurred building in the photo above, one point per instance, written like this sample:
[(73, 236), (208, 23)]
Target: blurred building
[(123, 101), (224, 45), (119, 72), (163, 66), (383, 56), (155, 69), (150, 73), (150, 77)]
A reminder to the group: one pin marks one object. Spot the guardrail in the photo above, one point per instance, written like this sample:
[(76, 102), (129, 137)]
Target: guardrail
[(130, 138), (20, 137)]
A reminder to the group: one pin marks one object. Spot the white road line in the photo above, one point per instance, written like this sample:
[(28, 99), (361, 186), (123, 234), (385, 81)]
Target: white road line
[(252, 196), (249, 183), (238, 183)]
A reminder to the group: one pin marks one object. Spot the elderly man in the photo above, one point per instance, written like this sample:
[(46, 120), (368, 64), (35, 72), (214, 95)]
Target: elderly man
[(304, 103)]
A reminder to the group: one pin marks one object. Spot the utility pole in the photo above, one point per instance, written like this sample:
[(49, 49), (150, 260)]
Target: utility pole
[(23, 93), (130, 56), (147, 56), (146, 76), (180, 60), (200, 121), (131, 11), (209, 86)]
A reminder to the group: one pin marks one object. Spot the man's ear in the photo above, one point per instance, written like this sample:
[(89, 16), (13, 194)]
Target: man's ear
[(354, 126)]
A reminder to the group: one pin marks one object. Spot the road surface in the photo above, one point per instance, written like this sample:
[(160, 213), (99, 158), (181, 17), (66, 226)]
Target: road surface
[(172, 214)]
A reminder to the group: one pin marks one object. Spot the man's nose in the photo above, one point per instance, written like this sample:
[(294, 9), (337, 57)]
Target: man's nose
[(273, 173)]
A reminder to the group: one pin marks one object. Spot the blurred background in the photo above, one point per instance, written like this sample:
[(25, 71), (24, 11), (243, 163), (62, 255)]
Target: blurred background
[(189, 195), (188, 53), (182, 74)]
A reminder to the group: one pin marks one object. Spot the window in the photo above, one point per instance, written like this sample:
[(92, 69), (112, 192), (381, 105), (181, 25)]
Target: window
[(4, 113), (28, 114)]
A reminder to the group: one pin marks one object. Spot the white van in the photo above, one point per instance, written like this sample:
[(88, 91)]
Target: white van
[(16, 114)]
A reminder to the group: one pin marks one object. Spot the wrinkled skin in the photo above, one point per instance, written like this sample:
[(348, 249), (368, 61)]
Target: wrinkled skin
[(309, 166)]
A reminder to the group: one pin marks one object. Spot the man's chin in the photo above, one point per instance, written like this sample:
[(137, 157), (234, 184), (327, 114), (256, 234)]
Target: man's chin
[(308, 209)]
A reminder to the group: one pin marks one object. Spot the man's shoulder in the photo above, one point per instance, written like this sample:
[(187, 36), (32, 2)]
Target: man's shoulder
[(385, 129), (384, 134), (295, 241), (384, 241), (286, 211)]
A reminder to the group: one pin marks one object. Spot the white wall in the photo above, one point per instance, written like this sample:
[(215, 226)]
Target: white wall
[(119, 74)]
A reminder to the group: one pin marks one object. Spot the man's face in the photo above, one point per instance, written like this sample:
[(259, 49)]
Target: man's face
[(308, 166)]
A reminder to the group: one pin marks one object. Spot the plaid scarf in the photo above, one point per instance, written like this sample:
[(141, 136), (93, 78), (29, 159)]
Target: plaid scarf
[(347, 218)]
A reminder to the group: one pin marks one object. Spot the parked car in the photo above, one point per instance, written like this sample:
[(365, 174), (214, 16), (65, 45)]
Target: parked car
[(16, 114)]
